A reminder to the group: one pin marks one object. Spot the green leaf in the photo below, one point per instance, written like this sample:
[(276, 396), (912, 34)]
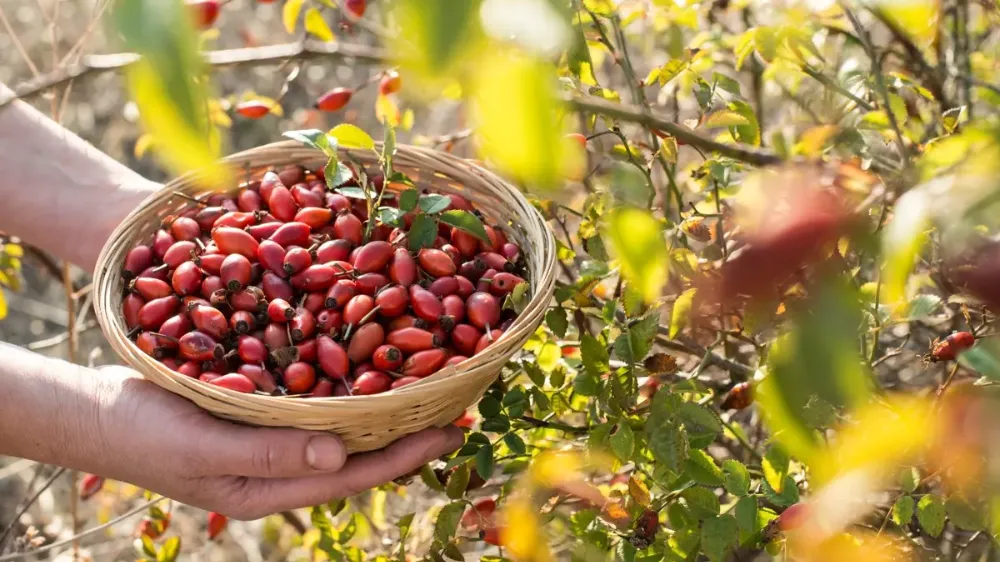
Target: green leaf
[(930, 514), (983, 359), (457, 482), (909, 479), (433, 203), (669, 444), (748, 133), (702, 502), (623, 441), (594, 355), (699, 419), (965, 515), (637, 240), (702, 468), (718, 536), (489, 407), (775, 466), (408, 200), (726, 83), (634, 345), (788, 495), (746, 517), (404, 524), (169, 551), (499, 424), (350, 528), (169, 86), (147, 546), (317, 26), (391, 216), (951, 118), (334, 507), (680, 312), (337, 174), (452, 551), (352, 136), (314, 138), (737, 479), (556, 320), (466, 221), (902, 510), (484, 461), (327, 534), (430, 479), (422, 232), (290, 14), (447, 521), (435, 37), (515, 443), (902, 241)]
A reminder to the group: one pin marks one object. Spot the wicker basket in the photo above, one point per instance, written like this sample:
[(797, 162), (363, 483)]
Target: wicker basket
[(363, 422)]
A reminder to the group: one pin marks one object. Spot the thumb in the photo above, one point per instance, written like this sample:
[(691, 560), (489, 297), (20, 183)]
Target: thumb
[(237, 450)]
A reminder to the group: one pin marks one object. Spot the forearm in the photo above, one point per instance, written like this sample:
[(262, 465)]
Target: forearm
[(57, 192), (50, 410)]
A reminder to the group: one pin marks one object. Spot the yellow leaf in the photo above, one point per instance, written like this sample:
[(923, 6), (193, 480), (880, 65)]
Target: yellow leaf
[(290, 14), (407, 122), (668, 149), (13, 250), (453, 90), (218, 114), (681, 311), (916, 18), (387, 110), (351, 136), (814, 139), (521, 533), (316, 25), (637, 241), (182, 147), (143, 144), (3, 306), (725, 118)]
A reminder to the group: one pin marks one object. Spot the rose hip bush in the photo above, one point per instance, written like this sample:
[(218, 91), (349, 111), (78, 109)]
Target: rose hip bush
[(774, 332)]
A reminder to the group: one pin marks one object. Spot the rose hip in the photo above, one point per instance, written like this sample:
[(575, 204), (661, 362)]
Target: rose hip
[(211, 264), (264, 230), (235, 241), (333, 250), (130, 309), (482, 310), (454, 306), (373, 256), (278, 310), (302, 325), (235, 381), (149, 288), (371, 382), (486, 281), (198, 346), (261, 377), (248, 201), (296, 260), (185, 228), (423, 363), (282, 204), (186, 279), (392, 301), (190, 369), (307, 350), (162, 241), (412, 340), (466, 243), (291, 175), (329, 321), (316, 277), (365, 341), (299, 377), (503, 283), (444, 286), (176, 326), (154, 344), (403, 269), (472, 269), (425, 304), (387, 358), (465, 337), (315, 217), (208, 376), (332, 357), (305, 197), (250, 299), (242, 322), (403, 381), (349, 227), (154, 313), (324, 388), (275, 287), (210, 320), (137, 260), (454, 360), (357, 309), (487, 340), (276, 336), (179, 253), (436, 262), (340, 293), (511, 252), (268, 182), (235, 272), (251, 349), (292, 234)]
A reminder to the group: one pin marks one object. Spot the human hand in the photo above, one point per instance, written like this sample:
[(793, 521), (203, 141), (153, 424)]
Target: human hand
[(162, 442)]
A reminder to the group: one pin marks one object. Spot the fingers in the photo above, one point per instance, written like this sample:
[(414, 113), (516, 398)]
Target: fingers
[(361, 472), (231, 449)]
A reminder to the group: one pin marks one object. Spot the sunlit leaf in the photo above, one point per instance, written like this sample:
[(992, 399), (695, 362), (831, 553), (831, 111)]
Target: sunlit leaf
[(316, 25), (724, 118), (637, 240), (522, 535), (623, 442), (680, 312), (516, 112), (930, 514), (737, 479), (902, 241), (290, 14), (352, 136), (386, 110), (143, 144), (902, 510), (916, 18), (638, 491), (466, 221), (169, 551), (168, 88), (435, 38), (718, 535), (447, 520)]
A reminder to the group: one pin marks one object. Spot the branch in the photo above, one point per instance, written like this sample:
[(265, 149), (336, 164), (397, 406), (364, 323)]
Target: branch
[(593, 104), (555, 425), (271, 54)]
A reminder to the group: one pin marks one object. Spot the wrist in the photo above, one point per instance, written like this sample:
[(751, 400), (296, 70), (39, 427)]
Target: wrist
[(52, 411)]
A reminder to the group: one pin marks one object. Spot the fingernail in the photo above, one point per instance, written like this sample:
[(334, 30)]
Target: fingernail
[(325, 452)]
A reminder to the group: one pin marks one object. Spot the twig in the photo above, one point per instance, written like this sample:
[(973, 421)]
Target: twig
[(78, 536), (17, 43), (27, 505), (912, 51), (555, 425), (712, 358), (292, 519), (59, 338)]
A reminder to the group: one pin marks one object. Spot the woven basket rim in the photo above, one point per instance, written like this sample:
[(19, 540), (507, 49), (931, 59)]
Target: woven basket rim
[(447, 376)]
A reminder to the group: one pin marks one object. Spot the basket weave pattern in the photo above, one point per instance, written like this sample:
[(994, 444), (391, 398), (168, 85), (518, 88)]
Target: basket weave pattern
[(363, 422)]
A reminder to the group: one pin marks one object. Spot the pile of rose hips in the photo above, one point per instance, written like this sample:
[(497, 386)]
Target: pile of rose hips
[(285, 288)]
